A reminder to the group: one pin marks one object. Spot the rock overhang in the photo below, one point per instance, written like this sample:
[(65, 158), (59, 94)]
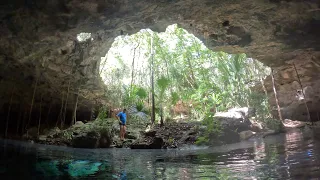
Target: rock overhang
[(38, 37)]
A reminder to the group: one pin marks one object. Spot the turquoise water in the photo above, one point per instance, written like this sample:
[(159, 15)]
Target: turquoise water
[(294, 155)]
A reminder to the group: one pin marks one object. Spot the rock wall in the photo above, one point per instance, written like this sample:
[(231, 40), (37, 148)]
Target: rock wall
[(40, 54), (292, 98)]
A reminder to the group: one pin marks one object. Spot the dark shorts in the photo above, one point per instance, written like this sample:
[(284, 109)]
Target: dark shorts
[(121, 124)]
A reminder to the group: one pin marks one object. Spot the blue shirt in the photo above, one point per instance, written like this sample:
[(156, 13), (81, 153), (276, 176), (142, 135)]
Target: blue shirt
[(123, 117)]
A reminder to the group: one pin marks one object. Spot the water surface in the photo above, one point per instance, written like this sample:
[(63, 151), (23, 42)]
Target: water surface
[(294, 155)]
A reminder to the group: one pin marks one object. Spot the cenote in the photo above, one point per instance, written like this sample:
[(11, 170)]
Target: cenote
[(293, 155), (206, 89)]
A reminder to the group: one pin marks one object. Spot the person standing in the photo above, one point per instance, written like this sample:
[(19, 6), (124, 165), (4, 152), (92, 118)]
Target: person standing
[(122, 117)]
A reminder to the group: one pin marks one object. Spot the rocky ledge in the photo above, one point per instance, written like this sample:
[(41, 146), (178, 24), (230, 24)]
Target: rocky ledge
[(232, 126)]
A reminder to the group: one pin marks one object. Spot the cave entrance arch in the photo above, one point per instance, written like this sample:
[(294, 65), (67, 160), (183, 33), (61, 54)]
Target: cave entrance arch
[(178, 56)]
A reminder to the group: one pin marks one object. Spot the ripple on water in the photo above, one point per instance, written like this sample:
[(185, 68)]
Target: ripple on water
[(285, 156)]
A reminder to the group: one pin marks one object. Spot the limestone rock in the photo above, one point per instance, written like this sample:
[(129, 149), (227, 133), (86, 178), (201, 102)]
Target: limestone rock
[(151, 133), (39, 38), (155, 143), (289, 124), (132, 135), (79, 123), (31, 133), (236, 118), (244, 135), (269, 133), (52, 132), (86, 140), (42, 138)]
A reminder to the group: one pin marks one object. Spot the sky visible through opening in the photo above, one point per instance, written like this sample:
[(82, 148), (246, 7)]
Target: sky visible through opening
[(117, 64), (121, 49)]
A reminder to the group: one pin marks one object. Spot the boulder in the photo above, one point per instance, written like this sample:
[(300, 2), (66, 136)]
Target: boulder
[(132, 135), (256, 127), (153, 143), (50, 133), (150, 133), (86, 140), (289, 124), (244, 135), (93, 134), (246, 112), (232, 122), (79, 123), (31, 133), (269, 133), (42, 138)]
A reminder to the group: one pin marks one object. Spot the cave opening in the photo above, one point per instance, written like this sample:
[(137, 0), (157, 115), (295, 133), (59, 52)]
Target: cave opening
[(186, 75)]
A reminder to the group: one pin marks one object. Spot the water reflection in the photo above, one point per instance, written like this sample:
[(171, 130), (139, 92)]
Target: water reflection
[(293, 155)]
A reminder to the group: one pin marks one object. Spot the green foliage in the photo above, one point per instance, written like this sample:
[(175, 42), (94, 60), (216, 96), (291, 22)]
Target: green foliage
[(174, 97), (274, 124), (140, 106), (202, 140), (103, 113), (141, 93), (163, 83), (184, 69), (214, 129)]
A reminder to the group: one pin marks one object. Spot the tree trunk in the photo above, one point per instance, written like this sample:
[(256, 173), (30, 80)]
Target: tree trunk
[(74, 116), (8, 115), (39, 123), (32, 101), (132, 73), (161, 116), (275, 95), (304, 97), (153, 115)]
